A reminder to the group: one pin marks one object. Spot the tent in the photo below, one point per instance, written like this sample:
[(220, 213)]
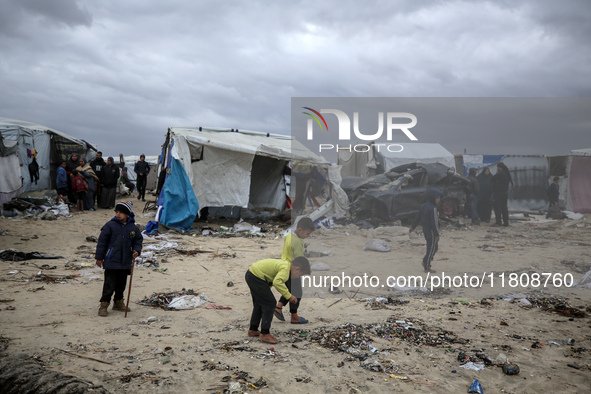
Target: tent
[(364, 163), (578, 193), (18, 142), (227, 168)]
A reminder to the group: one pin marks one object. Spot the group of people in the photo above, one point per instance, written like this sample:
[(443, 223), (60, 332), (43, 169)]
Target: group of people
[(484, 192), (97, 181), (487, 192)]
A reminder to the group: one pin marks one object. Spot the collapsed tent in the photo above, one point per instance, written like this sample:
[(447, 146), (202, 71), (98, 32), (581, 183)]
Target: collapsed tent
[(227, 168), (30, 154), (379, 159)]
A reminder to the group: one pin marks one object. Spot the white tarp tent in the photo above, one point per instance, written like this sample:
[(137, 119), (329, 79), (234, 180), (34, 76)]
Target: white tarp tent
[(19, 140), (363, 163), (236, 168)]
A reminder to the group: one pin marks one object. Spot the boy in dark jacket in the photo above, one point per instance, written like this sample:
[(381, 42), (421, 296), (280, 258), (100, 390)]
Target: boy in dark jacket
[(119, 244), (428, 216)]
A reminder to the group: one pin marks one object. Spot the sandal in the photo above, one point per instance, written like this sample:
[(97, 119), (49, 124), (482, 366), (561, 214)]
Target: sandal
[(302, 321), (279, 315)]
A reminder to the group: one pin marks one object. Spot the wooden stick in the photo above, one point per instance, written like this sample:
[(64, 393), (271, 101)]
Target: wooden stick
[(129, 290), (86, 357)]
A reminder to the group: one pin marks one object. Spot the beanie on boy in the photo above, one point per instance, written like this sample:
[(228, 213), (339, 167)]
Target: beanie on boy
[(124, 207)]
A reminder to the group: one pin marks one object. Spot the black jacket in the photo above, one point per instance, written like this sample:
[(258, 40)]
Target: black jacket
[(141, 167), (501, 182), (111, 175), (117, 242), (553, 192), (428, 215), (97, 166)]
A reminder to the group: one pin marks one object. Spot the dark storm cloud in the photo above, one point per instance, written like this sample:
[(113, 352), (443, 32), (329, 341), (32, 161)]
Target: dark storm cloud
[(122, 72)]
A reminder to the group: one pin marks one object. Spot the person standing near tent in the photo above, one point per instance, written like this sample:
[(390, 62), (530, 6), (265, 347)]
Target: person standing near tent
[(97, 166), (79, 188), (293, 246), (474, 192), (119, 244), (501, 181), (92, 181), (485, 196), (61, 182), (553, 194), (71, 164), (110, 183), (142, 169)]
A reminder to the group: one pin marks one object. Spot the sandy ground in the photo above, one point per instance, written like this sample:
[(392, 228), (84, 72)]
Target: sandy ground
[(352, 345)]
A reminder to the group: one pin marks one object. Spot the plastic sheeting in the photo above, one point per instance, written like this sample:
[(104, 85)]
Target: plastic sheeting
[(580, 184), (180, 206)]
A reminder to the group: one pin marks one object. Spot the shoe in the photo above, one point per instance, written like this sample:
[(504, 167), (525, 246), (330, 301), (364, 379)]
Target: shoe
[(279, 315), (495, 225), (506, 225), (103, 309), (119, 305), (302, 321), (139, 198), (143, 199)]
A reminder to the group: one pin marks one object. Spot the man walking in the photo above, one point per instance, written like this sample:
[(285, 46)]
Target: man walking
[(142, 169)]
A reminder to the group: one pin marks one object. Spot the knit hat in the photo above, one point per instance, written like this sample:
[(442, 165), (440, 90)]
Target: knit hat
[(124, 207)]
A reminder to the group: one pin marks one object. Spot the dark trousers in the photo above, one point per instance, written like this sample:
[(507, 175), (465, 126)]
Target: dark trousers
[(501, 210), (115, 281), (474, 208), (263, 302), (484, 208), (107, 200), (294, 285), (432, 248), (89, 200), (141, 185)]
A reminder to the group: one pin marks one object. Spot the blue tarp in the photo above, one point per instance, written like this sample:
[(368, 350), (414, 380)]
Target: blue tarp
[(180, 206)]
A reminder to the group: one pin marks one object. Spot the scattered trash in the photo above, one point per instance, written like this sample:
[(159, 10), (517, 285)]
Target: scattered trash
[(511, 369), (320, 267), (188, 301), (475, 387), (259, 384), (230, 284), (473, 366), (377, 245)]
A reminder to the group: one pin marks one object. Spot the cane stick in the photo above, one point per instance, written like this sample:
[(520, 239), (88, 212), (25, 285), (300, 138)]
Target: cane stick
[(129, 290)]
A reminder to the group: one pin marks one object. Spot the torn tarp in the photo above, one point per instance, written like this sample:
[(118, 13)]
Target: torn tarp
[(14, 255)]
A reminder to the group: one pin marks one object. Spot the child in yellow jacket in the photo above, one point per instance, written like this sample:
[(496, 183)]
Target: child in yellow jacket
[(260, 277)]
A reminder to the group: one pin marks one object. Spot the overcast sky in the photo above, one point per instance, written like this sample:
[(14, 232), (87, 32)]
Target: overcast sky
[(119, 73)]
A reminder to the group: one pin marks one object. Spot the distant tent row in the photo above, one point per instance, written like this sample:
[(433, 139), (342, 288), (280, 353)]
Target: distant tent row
[(225, 169), (533, 173), (381, 159), (19, 141)]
